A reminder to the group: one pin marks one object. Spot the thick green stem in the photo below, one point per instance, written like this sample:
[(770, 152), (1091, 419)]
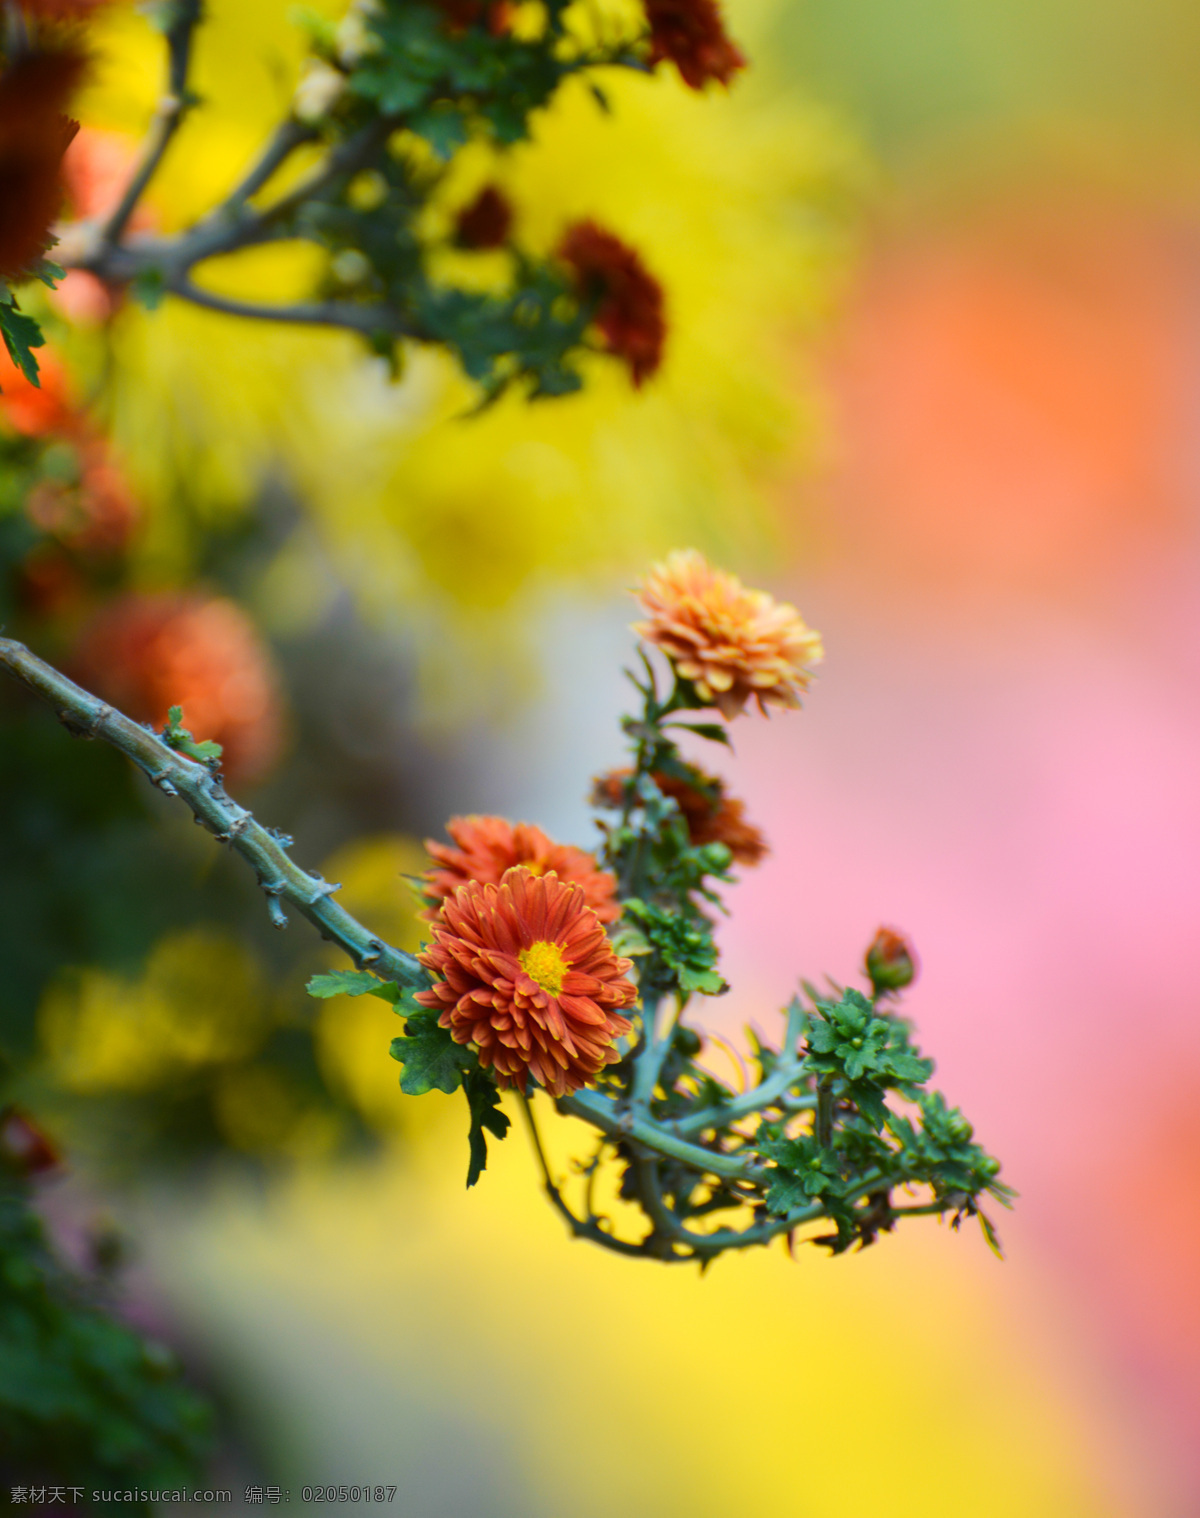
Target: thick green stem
[(824, 1113), (603, 1114), (786, 1073)]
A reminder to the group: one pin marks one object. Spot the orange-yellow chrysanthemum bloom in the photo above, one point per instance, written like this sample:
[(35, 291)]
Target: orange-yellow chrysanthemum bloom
[(527, 976), (488, 846), (730, 642)]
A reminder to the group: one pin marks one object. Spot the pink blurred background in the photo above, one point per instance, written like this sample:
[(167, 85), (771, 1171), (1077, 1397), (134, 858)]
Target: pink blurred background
[(1003, 752)]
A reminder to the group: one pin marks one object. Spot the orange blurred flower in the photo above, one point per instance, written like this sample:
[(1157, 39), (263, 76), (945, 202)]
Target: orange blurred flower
[(147, 653), (711, 815), (730, 642), (34, 133), (528, 977), (691, 35), (46, 409), (95, 512), (95, 170), (490, 846), (630, 310)]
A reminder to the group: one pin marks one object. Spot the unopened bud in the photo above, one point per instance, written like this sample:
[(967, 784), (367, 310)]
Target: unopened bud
[(318, 91), (891, 962), (355, 39)]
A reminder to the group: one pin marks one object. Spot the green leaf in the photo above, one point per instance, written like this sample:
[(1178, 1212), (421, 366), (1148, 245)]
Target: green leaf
[(713, 731), (148, 288), (707, 982), (483, 1101), (990, 1234), (784, 1193), (181, 740), (431, 1058), (49, 273), (629, 941), (353, 983), (21, 335), (909, 1067)]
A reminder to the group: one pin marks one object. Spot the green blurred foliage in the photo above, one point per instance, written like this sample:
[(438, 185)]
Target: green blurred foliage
[(84, 1400)]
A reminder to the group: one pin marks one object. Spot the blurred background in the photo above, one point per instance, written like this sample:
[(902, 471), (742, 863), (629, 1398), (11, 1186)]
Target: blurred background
[(934, 374)]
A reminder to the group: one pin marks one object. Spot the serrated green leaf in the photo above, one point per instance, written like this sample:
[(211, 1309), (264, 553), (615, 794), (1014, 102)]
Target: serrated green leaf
[(21, 335), (483, 1102), (713, 731), (353, 983), (822, 1039), (909, 1067), (431, 1058), (784, 1193), (706, 982)]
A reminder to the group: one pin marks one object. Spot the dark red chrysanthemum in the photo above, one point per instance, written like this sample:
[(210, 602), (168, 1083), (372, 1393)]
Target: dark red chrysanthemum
[(527, 977), (495, 14), (487, 847), (34, 135), (710, 814), (147, 653), (486, 222), (629, 312), (691, 35), (61, 10)]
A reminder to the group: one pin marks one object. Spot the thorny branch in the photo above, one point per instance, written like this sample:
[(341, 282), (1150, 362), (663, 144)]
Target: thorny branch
[(199, 787)]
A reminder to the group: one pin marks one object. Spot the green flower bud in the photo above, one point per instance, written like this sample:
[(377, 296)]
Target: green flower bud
[(891, 962)]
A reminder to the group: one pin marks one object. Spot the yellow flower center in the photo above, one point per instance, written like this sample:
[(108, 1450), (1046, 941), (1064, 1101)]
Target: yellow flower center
[(544, 962)]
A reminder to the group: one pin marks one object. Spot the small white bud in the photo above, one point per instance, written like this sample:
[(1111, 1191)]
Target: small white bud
[(318, 92)]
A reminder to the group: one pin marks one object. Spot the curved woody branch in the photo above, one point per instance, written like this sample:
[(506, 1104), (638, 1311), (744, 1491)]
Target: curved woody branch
[(199, 787)]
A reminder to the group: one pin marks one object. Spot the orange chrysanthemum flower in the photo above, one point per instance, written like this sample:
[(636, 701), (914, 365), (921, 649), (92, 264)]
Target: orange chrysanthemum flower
[(147, 653), (529, 979), (691, 35), (630, 310), (488, 846), (711, 815), (730, 642)]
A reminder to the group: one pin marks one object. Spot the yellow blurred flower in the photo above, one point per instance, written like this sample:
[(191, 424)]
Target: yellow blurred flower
[(201, 1001), (738, 203)]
